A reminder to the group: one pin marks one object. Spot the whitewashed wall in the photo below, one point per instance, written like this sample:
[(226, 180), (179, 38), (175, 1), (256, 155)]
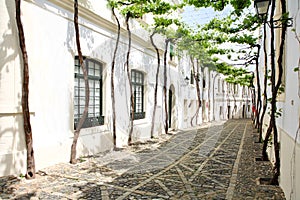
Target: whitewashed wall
[(50, 40), (289, 122), (289, 102)]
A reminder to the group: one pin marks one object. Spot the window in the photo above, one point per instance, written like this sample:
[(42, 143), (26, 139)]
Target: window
[(221, 111), (192, 78), (235, 88), (223, 91), (172, 54), (137, 80), (94, 70)]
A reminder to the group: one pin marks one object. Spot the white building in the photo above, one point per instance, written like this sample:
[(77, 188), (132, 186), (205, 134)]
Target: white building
[(55, 84), (288, 102)]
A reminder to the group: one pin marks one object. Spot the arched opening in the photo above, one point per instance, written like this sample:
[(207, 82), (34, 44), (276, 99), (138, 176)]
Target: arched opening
[(171, 107)]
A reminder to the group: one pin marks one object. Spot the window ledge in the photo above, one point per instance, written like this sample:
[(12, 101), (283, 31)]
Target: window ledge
[(140, 122), (91, 122), (138, 116), (94, 130)]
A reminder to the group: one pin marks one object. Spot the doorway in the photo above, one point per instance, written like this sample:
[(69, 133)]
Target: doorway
[(172, 112), (170, 108), (228, 113)]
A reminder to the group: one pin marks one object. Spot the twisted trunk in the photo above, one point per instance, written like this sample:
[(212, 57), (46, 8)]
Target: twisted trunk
[(265, 102), (266, 141), (196, 78), (277, 88), (129, 79), (112, 79), (165, 85), (156, 83), (273, 99), (258, 103), (30, 171), (253, 102), (86, 83)]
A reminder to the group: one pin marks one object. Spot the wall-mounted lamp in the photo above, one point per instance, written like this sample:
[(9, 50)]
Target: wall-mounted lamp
[(262, 8), (186, 80)]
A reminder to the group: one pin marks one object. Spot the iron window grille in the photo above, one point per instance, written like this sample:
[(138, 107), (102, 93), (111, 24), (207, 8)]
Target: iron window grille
[(94, 70), (137, 80)]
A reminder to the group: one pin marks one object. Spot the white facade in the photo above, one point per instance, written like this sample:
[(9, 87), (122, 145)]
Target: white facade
[(289, 102), (50, 42)]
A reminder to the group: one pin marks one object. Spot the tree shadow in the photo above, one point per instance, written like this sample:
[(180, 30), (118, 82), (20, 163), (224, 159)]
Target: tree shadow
[(13, 151), (11, 137), (7, 186)]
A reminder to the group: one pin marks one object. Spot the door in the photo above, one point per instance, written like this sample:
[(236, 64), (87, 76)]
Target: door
[(228, 114), (170, 108)]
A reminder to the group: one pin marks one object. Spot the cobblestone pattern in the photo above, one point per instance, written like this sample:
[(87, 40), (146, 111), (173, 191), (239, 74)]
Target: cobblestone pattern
[(204, 163), (256, 169)]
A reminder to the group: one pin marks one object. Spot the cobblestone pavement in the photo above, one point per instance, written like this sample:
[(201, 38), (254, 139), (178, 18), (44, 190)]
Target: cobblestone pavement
[(215, 161)]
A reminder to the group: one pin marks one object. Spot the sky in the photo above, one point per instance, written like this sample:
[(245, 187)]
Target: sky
[(194, 16), (197, 16)]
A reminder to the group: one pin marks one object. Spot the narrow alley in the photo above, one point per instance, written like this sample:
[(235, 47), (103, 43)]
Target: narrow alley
[(214, 161)]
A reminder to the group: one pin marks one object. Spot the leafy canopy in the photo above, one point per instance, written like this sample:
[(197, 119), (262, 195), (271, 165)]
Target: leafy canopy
[(208, 40)]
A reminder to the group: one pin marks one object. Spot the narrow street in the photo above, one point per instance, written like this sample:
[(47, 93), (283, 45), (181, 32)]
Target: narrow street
[(215, 161)]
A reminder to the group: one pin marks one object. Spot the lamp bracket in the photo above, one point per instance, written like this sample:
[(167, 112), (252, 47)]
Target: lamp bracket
[(278, 23)]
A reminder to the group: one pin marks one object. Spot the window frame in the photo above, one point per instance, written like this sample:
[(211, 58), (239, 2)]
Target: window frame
[(96, 117), (138, 104)]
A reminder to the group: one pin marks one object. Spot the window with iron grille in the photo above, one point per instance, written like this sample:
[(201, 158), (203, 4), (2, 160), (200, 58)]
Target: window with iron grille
[(137, 79), (94, 70)]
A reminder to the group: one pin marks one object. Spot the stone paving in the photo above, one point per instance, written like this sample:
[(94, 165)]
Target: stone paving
[(216, 161)]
